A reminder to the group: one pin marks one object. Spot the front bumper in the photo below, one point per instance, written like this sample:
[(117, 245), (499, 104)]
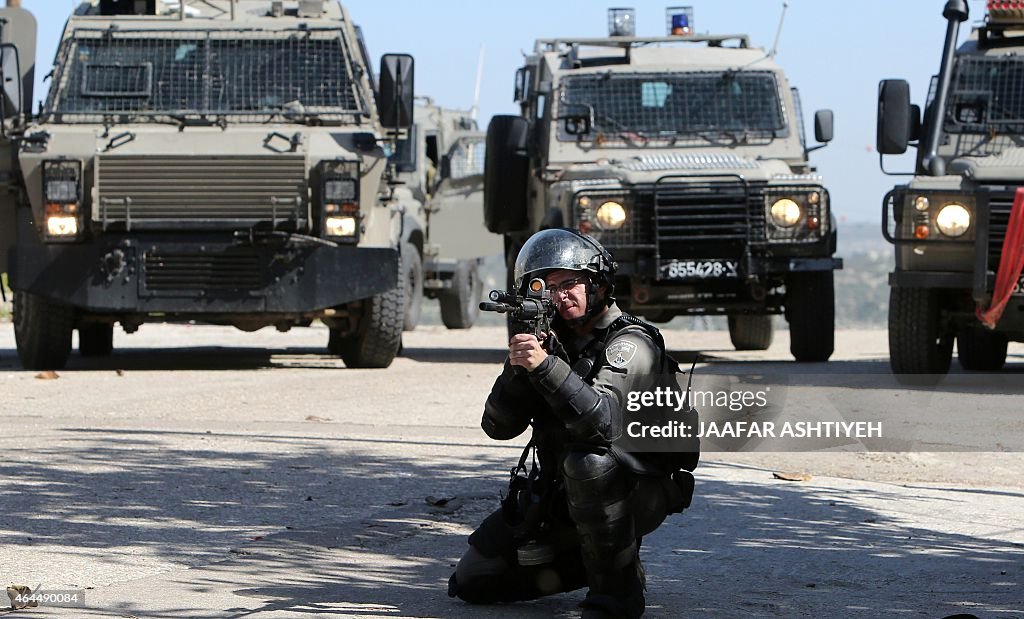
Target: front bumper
[(201, 275), (754, 289)]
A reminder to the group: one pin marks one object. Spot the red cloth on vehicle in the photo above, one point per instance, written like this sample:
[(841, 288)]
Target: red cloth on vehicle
[(1010, 263)]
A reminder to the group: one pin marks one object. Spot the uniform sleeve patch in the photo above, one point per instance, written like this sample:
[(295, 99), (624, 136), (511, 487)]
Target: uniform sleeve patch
[(620, 353)]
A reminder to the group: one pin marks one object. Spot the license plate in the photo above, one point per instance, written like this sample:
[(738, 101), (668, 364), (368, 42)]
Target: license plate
[(699, 269)]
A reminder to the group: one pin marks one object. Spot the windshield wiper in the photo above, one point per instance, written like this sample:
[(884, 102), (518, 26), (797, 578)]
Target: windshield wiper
[(199, 121), (737, 137), (624, 132)]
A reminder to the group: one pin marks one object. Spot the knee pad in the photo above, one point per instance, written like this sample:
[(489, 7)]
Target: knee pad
[(594, 482), (598, 489)]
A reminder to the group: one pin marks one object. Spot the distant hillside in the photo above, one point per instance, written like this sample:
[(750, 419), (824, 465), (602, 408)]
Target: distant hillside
[(861, 238)]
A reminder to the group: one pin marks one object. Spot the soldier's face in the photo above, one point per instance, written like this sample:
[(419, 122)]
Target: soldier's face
[(569, 292)]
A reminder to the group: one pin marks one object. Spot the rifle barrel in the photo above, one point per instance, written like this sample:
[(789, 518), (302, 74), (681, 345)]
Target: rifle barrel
[(487, 306)]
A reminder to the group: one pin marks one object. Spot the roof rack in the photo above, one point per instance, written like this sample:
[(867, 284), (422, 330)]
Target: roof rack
[(552, 45)]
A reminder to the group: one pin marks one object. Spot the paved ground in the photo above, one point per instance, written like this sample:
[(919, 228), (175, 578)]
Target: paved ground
[(204, 472)]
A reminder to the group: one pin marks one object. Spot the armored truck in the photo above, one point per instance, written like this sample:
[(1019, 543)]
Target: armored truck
[(957, 243), (217, 161), (685, 156), (441, 166)]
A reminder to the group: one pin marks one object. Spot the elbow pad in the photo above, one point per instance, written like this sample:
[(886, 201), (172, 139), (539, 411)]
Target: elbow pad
[(588, 414), (500, 423)]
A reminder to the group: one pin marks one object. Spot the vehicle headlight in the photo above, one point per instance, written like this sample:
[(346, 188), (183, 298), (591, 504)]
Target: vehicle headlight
[(61, 191), (339, 198), (611, 215), (953, 220), (340, 226), (61, 225), (785, 212)]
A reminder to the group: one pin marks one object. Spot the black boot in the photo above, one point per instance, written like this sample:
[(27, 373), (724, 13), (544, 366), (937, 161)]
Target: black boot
[(618, 595)]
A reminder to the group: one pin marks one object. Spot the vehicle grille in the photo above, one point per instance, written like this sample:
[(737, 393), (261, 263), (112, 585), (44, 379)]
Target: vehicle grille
[(176, 192), (1000, 205), (230, 270), (705, 218)]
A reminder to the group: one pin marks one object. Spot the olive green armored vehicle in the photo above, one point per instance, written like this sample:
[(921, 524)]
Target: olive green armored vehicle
[(685, 155), (216, 161), (441, 166), (957, 272)]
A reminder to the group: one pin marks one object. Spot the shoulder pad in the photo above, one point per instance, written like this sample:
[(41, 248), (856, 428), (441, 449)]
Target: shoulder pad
[(628, 320)]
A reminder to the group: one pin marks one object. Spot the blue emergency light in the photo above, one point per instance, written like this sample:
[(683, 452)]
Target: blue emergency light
[(679, 20)]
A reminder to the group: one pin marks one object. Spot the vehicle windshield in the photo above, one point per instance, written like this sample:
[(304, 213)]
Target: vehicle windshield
[(985, 108), (733, 105), (244, 75)]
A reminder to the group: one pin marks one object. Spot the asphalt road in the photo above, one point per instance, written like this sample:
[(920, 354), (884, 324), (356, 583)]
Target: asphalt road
[(205, 472)]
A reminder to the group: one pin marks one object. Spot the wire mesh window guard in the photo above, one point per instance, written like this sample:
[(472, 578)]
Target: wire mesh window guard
[(986, 93), (467, 158), (738, 106), (245, 74)]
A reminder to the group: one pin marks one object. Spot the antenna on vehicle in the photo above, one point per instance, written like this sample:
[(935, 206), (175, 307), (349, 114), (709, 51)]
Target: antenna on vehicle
[(476, 87), (778, 33)]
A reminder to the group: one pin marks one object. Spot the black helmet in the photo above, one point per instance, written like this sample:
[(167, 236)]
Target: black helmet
[(562, 248)]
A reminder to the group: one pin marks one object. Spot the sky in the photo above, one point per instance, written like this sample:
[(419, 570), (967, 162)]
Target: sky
[(834, 51)]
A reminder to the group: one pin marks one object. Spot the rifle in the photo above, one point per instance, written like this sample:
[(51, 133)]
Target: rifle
[(528, 314)]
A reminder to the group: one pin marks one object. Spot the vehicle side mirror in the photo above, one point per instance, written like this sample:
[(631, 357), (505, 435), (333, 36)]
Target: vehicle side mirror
[(577, 118), (395, 98), (17, 60), (10, 75), (895, 123), (446, 167), (522, 84), (823, 126)]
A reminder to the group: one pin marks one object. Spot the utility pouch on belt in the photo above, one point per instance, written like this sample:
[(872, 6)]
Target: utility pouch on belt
[(523, 512), (680, 491)]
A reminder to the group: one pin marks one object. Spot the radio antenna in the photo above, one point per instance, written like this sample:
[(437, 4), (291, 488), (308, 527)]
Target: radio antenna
[(476, 88), (778, 33)]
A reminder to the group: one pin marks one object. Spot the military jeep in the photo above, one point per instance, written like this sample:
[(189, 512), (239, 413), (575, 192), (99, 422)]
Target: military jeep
[(441, 166), (685, 156), (955, 275)]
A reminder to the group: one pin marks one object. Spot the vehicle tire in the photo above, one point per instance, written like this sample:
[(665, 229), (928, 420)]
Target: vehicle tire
[(378, 337), (96, 340), (42, 331), (460, 304), (412, 277), (917, 344), (811, 311), (751, 332), (981, 350), (506, 175)]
